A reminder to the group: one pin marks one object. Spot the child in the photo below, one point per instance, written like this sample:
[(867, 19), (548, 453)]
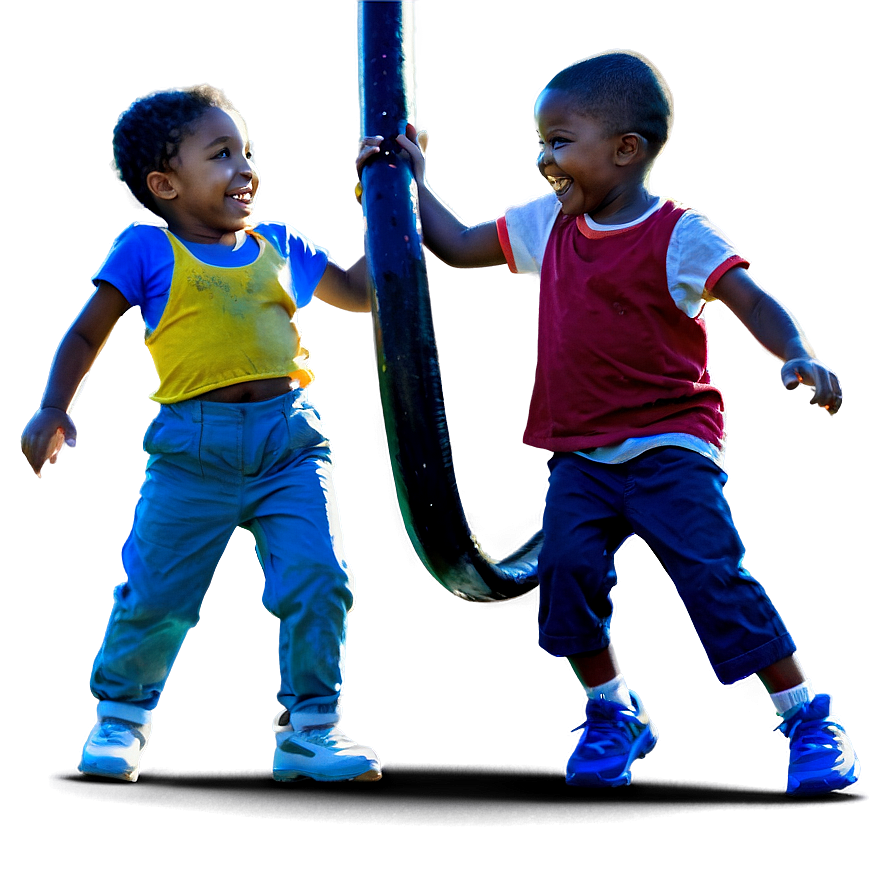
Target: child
[(235, 443), (623, 399)]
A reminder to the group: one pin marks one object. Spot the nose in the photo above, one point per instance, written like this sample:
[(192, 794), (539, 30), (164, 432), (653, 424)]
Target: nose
[(545, 157), (247, 166)]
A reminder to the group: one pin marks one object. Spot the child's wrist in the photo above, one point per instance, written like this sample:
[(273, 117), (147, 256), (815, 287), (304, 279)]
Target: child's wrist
[(797, 349)]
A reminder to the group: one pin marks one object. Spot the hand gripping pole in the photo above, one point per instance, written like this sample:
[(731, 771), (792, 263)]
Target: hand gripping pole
[(407, 359)]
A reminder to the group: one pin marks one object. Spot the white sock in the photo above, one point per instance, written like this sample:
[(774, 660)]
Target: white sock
[(616, 691), (784, 701)]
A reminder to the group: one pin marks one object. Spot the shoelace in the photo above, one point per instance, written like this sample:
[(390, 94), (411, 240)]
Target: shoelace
[(604, 735), (323, 737), (115, 733), (816, 711), (813, 736), (812, 733)]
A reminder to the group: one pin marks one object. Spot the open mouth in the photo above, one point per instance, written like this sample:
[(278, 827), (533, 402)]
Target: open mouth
[(244, 197), (559, 184)]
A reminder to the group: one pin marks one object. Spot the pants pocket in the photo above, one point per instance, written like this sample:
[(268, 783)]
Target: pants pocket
[(303, 423), (171, 433)]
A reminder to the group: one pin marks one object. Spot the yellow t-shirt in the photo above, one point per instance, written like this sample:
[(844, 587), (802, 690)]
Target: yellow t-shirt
[(225, 325)]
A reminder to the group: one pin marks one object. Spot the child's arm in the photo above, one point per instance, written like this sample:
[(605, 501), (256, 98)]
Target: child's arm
[(345, 289), (443, 233), (776, 329), (51, 425)]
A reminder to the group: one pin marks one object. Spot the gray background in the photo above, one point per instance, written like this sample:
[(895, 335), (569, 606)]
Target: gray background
[(782, 137)]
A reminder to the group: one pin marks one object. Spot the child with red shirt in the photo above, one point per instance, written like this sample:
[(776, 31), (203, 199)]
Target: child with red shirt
[(623, 399)]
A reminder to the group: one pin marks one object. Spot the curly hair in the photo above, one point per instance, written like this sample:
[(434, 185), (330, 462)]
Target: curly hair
[(624, 90), (149, 132)]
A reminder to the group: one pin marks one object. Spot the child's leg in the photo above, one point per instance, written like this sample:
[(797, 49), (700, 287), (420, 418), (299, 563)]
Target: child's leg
[(583, 527), (617, 730), (295, 523), (601, 676), (783, 675), (677, 506), (181, 526), (307, 584), (679, 510), (595, 668), (289, 506)]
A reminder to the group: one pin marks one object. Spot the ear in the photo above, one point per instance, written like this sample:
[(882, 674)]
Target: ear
[(160, 185), (629, 148)]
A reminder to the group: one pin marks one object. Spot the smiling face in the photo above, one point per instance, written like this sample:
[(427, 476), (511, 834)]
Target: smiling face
[(591, 170), (206, 195)]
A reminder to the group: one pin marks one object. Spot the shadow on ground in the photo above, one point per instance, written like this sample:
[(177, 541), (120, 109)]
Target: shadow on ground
[(413, 794)]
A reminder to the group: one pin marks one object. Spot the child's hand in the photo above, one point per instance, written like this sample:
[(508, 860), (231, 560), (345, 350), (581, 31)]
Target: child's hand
[(828, 393), (413, 143), (47, 431), (369, 147)]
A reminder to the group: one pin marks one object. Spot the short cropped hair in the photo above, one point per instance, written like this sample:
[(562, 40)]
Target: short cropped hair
[(624, 90), (148, 133)]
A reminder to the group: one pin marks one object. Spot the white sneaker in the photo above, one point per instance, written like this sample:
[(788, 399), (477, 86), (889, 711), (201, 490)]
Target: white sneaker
[(322, 753), (113, 748)]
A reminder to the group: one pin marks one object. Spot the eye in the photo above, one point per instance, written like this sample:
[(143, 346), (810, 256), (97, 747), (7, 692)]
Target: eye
[(222, 154), (554, 143)]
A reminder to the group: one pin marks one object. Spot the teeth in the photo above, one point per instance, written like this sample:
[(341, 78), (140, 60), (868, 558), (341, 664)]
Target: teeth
[(558, 184)]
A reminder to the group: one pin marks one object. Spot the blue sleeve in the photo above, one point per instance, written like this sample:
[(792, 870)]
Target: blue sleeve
[(307, 262), (140, 265)]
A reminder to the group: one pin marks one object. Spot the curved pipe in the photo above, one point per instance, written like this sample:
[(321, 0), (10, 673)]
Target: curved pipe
[(407, 359)]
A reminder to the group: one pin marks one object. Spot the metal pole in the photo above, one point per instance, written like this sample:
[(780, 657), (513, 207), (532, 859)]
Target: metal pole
[(407, 358)]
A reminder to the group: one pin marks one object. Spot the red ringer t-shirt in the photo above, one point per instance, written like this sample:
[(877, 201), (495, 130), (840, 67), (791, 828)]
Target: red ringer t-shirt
[(621, 339)]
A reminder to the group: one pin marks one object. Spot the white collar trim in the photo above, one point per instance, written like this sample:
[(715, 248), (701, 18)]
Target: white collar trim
[(593, 225)]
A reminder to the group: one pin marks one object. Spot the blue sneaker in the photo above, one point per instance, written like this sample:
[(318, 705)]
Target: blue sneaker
[(821, 755), (614, 737)]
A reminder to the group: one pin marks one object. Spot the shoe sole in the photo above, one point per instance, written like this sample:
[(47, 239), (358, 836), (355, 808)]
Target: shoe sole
[(286, 777), (810, 786), (594, 779), (97, 771)]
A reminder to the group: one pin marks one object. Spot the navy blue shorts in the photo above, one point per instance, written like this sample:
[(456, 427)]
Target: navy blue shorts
[(672, 498)]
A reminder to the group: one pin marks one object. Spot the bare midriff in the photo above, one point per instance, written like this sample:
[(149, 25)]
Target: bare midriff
[(255, 390)]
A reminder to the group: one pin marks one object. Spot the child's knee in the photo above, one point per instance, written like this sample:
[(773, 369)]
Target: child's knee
[(565, 560), (310, 590), (157, 608)]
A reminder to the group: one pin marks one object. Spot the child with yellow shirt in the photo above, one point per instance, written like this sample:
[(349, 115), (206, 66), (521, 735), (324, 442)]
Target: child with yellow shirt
[(236, 442)]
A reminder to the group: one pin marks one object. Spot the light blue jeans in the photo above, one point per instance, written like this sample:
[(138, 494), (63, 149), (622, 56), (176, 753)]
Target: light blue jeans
[(264, 466)]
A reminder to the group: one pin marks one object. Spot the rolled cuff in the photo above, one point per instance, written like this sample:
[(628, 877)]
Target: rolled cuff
[(753, 661), (571, 645)]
